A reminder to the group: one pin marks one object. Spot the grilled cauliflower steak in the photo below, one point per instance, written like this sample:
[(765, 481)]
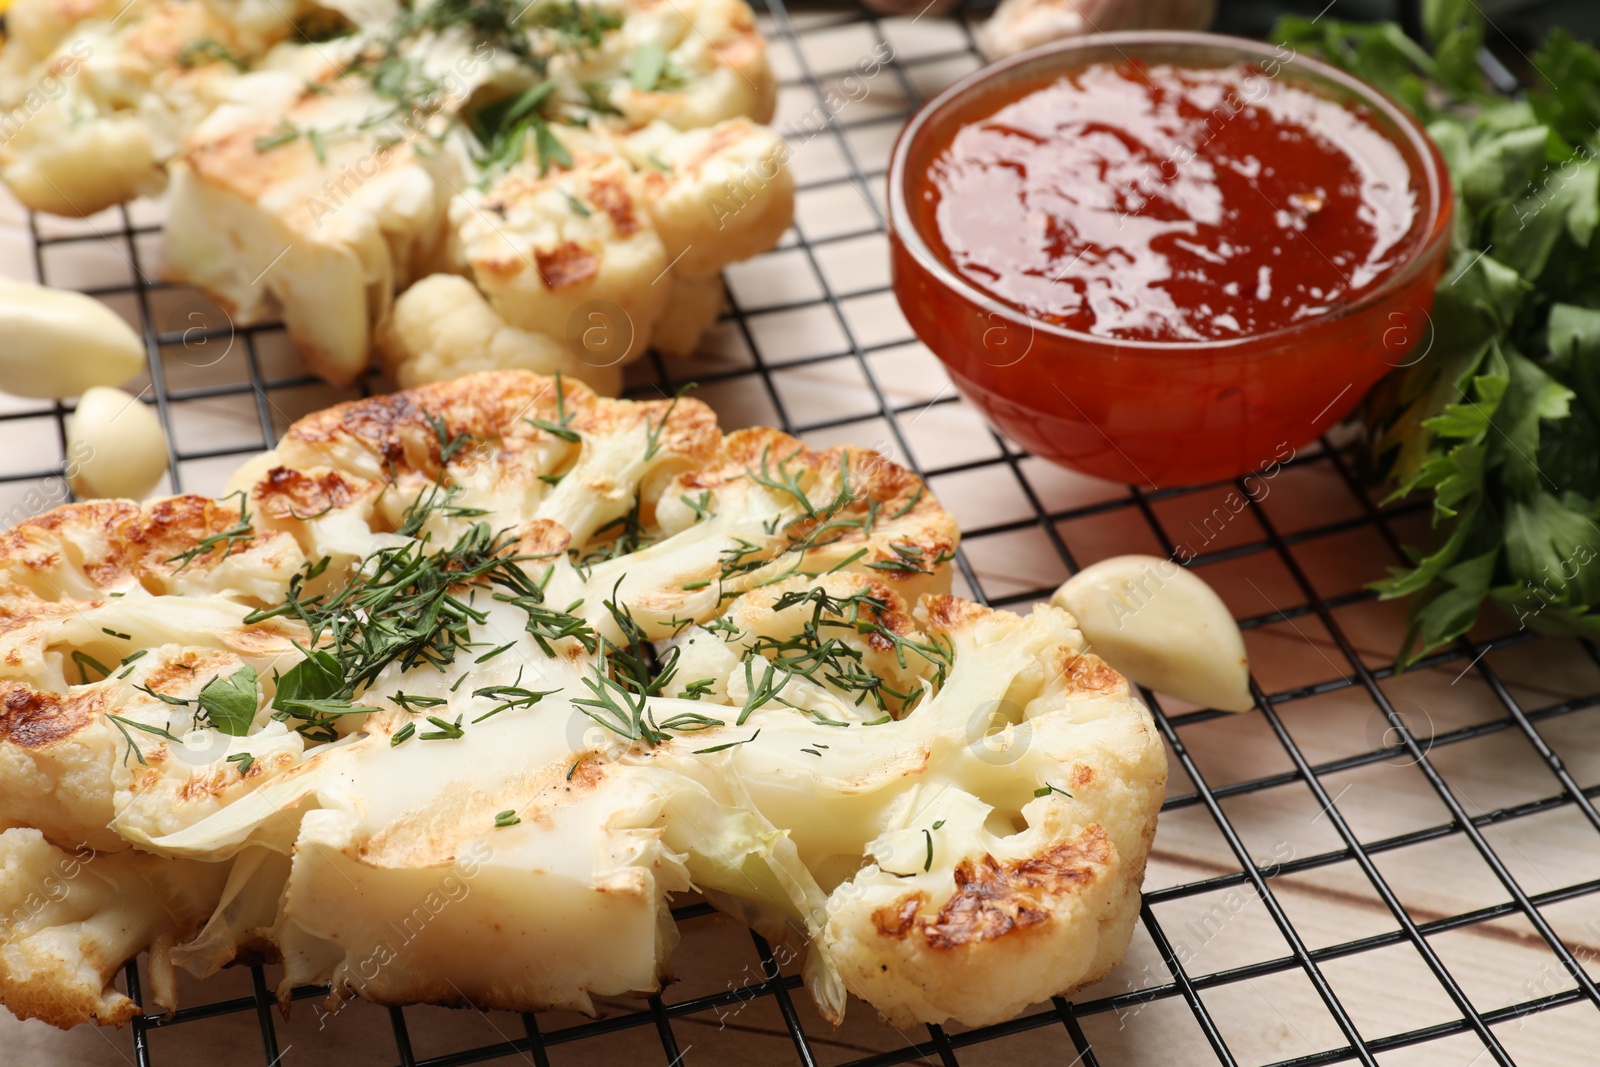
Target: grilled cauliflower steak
[(464, 683), (564, 155)]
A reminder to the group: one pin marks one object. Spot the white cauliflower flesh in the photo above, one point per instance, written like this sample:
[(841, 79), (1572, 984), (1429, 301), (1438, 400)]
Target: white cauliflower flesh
[(634, 228), (279, 209), (725, 195), (573, 160), (396, 702), (442, 328), (543, 246), (691, 63)]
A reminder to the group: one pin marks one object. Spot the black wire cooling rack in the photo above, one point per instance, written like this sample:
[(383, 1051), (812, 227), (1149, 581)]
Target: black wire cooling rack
[(1179, 992)]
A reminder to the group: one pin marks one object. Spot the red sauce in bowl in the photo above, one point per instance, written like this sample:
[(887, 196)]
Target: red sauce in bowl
[(1166, 258), (1158, 203)]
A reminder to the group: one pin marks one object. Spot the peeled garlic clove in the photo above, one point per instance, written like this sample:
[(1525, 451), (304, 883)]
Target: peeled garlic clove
[(1162, 626), (116, 445), (59, 343), (1018, 25)]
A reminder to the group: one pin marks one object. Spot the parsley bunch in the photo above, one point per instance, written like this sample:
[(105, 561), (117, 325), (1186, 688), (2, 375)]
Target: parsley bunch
[(1500, 419)]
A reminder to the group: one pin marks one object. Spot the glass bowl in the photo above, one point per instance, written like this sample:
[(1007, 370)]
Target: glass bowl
[(1163, 413)]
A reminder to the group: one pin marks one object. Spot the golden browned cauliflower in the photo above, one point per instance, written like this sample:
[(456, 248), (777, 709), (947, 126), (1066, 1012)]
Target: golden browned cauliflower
[(569, 158), (466, 682)]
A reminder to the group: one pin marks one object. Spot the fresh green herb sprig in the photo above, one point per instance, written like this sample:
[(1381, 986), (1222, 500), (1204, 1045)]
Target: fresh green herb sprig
[(230, 703), (86, 663), (530, 34), (450, 442), (832, 661), (408, 605), (1497, 415), (631, 674), (510, 696), (241, 533), (284, 133), (203, 50), (909, 559)]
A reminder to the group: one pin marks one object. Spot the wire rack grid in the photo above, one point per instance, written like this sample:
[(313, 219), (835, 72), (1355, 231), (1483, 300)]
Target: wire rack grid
[(1346, 874)]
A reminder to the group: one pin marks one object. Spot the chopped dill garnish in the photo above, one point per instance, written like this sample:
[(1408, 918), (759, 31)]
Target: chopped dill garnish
[(123, 725), (203, 50), (724, 747), (286, 133), (443, 731), (240, 533), (653, 430), (86, 661)]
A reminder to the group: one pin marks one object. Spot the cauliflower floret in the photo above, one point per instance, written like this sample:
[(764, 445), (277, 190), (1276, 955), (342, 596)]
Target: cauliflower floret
[(313, 181), (96, 116), (769, 508), (320, 225), (713, 65), (543, 246), (693, 307), (36, 28), (616, 243), (513, 444), (70, 919), (442, 328), (64, 168), (726, 196)]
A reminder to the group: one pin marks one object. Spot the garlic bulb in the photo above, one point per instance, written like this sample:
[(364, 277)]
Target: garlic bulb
[(58, 343), (117, 445), (1018, 25), (1163, 627)]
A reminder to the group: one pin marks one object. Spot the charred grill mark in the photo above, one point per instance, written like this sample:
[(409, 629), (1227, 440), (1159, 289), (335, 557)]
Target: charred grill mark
[(993, 899)]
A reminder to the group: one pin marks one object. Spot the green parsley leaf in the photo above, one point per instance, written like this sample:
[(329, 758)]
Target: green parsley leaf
[(649, 63), (551, 152), (317, 677), (230, 703)]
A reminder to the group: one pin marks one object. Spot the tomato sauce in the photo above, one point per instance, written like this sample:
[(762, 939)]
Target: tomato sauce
[(1151, 202)]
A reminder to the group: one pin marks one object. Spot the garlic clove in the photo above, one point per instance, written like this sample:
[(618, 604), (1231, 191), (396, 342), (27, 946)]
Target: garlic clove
[(59, 343), (1162, 626), (116, 446), (1018, 25)]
